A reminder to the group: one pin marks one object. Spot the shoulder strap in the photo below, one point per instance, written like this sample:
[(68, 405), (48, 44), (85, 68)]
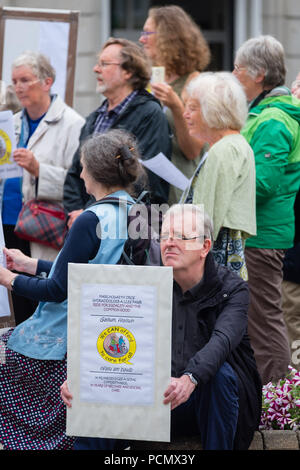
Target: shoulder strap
[(141, 196), (112, 200), (201, 163), (117, 200), (187, 197)]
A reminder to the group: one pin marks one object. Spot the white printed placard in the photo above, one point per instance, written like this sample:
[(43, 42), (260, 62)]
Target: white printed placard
[(120, 321), (119, 351), (8, 167)]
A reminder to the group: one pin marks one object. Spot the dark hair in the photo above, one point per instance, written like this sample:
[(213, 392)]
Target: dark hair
[(112, 158), (134, 61)]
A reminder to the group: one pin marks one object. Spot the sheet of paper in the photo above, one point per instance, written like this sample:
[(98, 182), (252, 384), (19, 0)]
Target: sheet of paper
[(8, 167), (119, 351), (158, 75), (163, 167)]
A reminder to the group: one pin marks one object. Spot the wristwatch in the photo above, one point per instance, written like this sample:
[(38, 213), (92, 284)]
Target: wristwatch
[(192, 378), (12, 283)]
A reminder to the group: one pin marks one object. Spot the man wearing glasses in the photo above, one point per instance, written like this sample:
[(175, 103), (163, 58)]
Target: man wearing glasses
[(123, 72), (215, 388)]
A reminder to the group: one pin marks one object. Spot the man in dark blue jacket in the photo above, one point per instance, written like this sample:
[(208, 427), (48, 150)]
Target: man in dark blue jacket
[(215, 389), (291, 290), (123, 73)]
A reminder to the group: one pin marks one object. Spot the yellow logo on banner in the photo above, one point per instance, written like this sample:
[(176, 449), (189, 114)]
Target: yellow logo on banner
[(116, 345), (5, 148)]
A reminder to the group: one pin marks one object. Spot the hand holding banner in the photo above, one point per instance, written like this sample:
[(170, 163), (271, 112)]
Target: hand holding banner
[(119, 351)]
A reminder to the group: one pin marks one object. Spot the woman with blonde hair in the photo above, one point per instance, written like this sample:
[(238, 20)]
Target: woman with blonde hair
[(173, 40)]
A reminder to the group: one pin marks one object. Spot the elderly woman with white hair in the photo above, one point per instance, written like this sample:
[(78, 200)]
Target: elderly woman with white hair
[(273, 131), (224, 181), (47, 132)]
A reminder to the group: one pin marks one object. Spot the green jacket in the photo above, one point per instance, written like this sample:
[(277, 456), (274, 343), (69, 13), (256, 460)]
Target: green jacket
[(272, 129), (226, 185)]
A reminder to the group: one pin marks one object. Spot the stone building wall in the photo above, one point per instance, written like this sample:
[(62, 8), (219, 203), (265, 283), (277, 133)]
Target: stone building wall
[(281, 18), (92, 32)]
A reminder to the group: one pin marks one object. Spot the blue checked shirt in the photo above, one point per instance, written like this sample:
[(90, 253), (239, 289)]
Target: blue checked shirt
[(106, 119)]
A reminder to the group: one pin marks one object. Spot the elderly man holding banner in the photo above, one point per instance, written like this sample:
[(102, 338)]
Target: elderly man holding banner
[(215, 389)]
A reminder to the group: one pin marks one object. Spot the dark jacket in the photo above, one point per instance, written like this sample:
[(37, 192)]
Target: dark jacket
[(144, 118), (220, 334), (291, 264)]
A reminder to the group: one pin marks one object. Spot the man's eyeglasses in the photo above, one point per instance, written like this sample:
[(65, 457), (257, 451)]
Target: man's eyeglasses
[(165, 236), (103, 63)]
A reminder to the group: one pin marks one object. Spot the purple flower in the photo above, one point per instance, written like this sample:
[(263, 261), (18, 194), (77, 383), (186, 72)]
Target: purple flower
[(281, 403)]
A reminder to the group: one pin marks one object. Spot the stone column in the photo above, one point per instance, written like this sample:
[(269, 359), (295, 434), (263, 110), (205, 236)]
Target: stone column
[(281, 19)]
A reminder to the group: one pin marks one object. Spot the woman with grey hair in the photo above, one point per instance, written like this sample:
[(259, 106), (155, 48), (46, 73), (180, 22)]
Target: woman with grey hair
[(32, 415), (47, 133), (263, 60), (272, 130), (224, 181)]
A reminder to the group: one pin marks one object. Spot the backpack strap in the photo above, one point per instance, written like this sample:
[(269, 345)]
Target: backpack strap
[(112, 200), (127, 259), (141, 196), (115, 200)]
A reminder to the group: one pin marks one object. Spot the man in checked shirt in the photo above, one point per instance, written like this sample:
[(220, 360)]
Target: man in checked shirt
[(123, 72)]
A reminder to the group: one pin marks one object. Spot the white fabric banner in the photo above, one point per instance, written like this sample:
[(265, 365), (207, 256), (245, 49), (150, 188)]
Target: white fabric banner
[(119, 351), (54, 41), (48, 37)]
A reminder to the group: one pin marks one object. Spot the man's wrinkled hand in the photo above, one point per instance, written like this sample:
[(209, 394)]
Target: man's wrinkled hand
[(179, 391)]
